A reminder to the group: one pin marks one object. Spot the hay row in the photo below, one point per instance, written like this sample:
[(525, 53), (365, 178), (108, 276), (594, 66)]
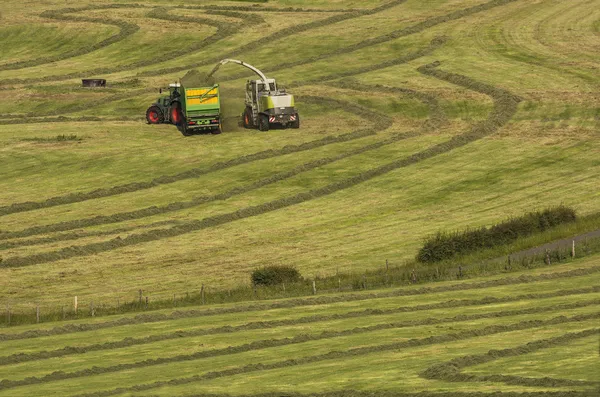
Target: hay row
[(450, 371), (252, 346), (349, 353), (390, 393), (126, 29), (194, 202), (505, 106), (196, 172), (281, 34), (302, 302)]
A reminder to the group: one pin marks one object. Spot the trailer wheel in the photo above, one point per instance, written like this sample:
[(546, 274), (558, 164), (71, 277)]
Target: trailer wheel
[(296, 123), (154, 115), (218, 130), (176, 115), (263, 122)]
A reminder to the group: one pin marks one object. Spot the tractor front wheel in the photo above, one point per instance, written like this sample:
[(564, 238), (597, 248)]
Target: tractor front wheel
[(263, 122), (154, 115), (247, 118)]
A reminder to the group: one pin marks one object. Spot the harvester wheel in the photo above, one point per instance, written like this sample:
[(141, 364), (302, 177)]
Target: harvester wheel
[(154, 115), (296, 124), (176, 115), (247, 118), (263, 122), (217, 131)]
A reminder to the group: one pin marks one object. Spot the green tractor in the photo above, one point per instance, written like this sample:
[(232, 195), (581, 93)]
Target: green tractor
[(190, 108), (266, 104)]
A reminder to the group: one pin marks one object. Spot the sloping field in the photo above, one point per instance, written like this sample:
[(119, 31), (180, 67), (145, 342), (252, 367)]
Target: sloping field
[(534, 332), (416, 116)]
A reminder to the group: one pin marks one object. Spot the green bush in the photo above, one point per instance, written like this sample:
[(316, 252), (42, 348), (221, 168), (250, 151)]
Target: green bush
[(445, 245), (274, 275)]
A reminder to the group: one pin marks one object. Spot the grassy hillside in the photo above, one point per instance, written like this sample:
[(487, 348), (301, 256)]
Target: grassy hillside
[(534, 332), (503, 120)]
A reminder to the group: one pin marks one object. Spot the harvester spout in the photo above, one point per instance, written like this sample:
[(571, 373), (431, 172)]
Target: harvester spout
[(225, 61)]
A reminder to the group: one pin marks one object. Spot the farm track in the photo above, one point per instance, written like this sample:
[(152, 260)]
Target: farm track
[(351, 352), (292, 303), (505, 106), (257, 345), (451, 370)]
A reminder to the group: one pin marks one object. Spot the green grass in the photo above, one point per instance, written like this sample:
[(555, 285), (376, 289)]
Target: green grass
[(389, 153)]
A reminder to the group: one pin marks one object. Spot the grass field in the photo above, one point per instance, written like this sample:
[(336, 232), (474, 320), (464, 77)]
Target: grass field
[(417, 116), (543, 329)]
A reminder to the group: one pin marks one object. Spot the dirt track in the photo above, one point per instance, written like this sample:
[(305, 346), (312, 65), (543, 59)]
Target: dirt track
[(565, 243)]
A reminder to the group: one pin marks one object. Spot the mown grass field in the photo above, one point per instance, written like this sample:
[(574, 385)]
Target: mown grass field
[(417, 116), (537, 329)]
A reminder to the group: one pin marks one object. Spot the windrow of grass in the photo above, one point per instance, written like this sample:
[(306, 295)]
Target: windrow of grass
[(505, 107), (451, 370), (301, 355)]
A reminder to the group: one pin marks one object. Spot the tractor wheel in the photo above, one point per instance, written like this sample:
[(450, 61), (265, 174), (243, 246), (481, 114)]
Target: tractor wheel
[(247, 118), (154, 115), (263, 122), (176, 115), (296, 124)]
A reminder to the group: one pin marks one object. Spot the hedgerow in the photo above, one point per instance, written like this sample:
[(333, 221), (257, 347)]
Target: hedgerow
[(445, 245), (300, 302)]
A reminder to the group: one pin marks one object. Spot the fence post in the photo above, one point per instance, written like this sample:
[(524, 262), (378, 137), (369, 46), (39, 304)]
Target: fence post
[(173, 299), (146, 302), (7, 314), (573, 250), (387, 266), (37, 313), (202, 293), (64, 312), (75, 304), (92, 309), (314, 285), (339, 284), (283, 284), (365, 281), (140, 293), (548, 258)]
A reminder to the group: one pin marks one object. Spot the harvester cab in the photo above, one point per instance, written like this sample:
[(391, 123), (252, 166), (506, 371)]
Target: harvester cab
[(266, 104)]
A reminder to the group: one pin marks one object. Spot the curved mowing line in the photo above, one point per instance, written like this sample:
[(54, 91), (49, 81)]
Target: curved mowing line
[(349, 353), (126, 29), (505, 106), (381, 122), (254, 346), (250, 46), (291, 303), (437, 119), (450, 371), (200, 200)]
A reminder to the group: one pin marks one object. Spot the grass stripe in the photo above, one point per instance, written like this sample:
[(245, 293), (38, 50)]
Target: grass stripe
[(505, 106), (450, 371), (268, 343), (352, 352)]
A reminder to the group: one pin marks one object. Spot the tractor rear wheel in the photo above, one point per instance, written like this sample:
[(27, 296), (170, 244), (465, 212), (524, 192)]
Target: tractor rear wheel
[(154, 115), (296, 123), (263, 122), (247, 118), (176, 114)]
